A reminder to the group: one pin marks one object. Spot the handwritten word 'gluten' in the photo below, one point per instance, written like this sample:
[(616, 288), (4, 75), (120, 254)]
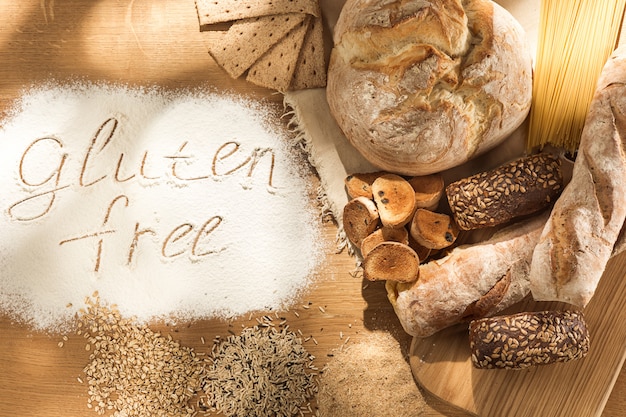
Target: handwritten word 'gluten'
[(48, 168), (51, 177)]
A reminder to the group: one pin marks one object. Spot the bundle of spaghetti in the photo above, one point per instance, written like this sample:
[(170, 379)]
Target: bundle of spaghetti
[(575, 39)]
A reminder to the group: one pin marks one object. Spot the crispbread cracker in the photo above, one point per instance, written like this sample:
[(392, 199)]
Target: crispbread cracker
[(247, 40), (310, 70), (275, 69), (220, 11)]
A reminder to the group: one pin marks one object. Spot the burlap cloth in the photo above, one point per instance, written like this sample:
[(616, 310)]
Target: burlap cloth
[(329, 151), (334, 157)]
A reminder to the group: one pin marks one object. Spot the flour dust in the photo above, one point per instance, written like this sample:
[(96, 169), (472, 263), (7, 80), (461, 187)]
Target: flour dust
[(188, 204)]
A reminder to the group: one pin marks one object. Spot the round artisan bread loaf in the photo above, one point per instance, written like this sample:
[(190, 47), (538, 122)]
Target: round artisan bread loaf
[(422, 86), (527, 339)]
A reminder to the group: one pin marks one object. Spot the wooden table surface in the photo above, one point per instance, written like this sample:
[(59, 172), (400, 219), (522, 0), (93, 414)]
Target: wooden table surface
[(157, 42)]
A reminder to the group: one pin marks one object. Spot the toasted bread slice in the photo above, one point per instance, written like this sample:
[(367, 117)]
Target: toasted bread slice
[(395, 199), (384, 234), (391, 261), (433, 230), (360, 219)]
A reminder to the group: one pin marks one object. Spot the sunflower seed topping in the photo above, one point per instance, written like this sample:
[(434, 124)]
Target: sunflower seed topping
[(518, 188), (528, 339)]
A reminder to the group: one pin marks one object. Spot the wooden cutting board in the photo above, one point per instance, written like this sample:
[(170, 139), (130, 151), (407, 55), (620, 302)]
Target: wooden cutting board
[(441, 365)]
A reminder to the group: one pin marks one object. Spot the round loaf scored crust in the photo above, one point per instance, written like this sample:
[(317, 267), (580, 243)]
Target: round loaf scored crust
[(418, 87)]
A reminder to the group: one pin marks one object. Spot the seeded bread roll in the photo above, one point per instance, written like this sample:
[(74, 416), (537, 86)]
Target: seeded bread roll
[(519, 188), (522, 340), (421, 86)]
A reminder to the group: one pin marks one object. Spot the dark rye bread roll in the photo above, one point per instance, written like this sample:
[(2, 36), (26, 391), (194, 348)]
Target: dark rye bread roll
[(521, 187), (527, 339)]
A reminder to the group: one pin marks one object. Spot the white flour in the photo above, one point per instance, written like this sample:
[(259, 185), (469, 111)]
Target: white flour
[(186, 205)]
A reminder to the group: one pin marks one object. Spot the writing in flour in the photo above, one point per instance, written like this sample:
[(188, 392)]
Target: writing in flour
[(48, 181), (187, 204)]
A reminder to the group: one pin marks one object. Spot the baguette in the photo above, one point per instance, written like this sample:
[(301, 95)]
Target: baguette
[(586, 221), (464, 285)]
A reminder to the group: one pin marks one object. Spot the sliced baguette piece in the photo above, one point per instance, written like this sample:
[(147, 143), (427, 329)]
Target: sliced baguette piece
[(395, 199), (360, 219), (391, 261), (422, 251), (384, 234), (428, 190), (360, 184), (433, 230)]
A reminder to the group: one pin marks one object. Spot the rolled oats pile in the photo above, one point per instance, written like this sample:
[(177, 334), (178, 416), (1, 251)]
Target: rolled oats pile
[(134, 371)]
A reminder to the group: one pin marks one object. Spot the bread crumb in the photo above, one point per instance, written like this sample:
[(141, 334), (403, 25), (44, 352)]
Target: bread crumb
[(383, 388)]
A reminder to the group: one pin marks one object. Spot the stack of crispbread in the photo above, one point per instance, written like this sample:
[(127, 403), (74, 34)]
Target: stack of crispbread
[(276, 44)]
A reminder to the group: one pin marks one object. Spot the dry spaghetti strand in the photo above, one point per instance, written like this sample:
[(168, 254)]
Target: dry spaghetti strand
[(576, 38)]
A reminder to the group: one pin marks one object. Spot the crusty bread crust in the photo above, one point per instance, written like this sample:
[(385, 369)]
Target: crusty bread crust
[(586, 221), (448, 289), (419, 87)]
